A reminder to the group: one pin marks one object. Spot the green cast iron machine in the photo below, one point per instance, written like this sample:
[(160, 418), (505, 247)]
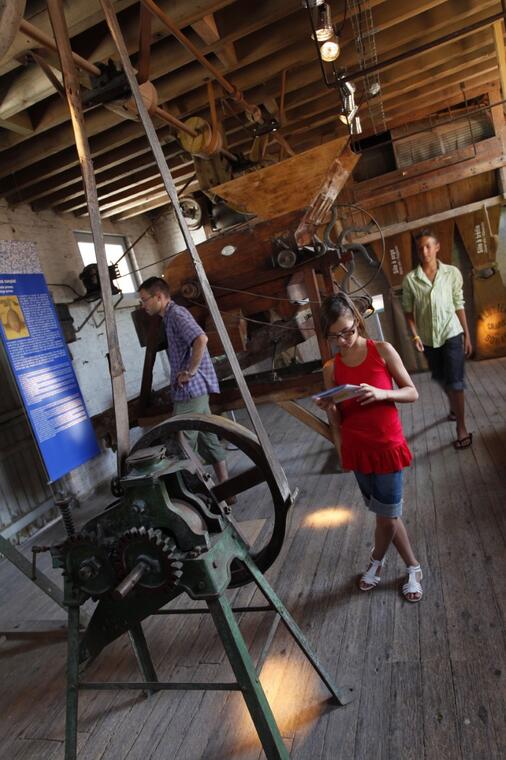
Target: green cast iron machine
[(170, 532)]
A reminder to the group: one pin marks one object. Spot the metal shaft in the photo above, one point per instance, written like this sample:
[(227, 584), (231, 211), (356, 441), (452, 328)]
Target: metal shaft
[(131, 580)]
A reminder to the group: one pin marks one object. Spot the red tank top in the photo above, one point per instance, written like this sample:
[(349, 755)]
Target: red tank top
[(371, 436)]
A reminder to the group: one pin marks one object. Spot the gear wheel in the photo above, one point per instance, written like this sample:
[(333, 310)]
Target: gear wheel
[(89, 564), (156, 551)]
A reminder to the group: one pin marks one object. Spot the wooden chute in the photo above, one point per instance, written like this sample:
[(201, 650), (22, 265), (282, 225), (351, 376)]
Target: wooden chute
[(289, 185)]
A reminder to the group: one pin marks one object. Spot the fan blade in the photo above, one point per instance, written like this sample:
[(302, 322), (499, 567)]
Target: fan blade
[(144, 44)]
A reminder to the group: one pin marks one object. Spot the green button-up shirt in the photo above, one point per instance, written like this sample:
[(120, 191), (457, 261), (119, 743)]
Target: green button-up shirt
[(434, 304)]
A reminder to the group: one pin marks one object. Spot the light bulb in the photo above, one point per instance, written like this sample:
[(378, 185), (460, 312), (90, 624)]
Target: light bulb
[(356, 126), (330, 50), (324, 29)]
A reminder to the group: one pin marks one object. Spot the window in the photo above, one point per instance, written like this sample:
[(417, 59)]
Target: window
[(115, 247)]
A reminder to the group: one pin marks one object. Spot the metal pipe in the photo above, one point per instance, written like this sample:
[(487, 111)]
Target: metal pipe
[(421, 49), (188, 44), (174, 122)]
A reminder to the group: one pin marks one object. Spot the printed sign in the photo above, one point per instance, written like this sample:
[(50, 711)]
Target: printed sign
[(40, 362)]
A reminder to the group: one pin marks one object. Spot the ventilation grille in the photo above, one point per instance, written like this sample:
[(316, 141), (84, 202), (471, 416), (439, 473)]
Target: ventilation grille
[(441, 140)]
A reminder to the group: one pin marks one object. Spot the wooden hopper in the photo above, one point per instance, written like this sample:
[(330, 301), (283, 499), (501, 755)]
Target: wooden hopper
[(288, 185)]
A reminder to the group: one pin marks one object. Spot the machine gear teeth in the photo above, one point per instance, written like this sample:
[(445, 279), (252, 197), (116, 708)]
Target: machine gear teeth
[(142, 542)]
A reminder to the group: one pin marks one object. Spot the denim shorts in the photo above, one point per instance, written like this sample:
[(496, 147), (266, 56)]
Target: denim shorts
[(382, 492), (447, 363)]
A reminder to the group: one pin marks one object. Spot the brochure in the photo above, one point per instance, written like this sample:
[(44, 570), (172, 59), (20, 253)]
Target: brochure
[(339, 393)]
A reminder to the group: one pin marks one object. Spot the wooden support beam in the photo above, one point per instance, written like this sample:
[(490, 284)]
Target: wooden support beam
[(497, 113), (307, 418), (145, 18), (19, 123), (427, 221), (206, 29), (498, 29)]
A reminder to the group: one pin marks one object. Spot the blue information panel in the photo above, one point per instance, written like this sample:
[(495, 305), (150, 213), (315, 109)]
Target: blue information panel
[(41, 364)]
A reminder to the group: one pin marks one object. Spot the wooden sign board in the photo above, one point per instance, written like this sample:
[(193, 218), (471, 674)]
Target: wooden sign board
[(490, 308), (478, 231), (397, 261), (288, 185)]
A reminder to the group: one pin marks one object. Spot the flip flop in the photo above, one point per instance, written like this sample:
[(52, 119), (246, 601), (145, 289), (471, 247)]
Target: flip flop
[(452, 417), (463, 443)]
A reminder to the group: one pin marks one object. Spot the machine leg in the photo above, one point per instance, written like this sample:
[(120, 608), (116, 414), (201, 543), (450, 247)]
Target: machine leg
[(142, 655), (253, 693), (72, 680), (343, 695)]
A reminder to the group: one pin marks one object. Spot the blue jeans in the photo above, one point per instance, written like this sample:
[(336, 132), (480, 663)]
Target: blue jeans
[(382, 492), (446, 363)]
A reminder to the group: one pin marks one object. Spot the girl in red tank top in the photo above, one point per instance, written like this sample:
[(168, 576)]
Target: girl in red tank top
[(368, 431)]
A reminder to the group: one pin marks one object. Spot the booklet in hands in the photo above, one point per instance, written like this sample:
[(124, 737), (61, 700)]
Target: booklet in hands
[(339, 393)]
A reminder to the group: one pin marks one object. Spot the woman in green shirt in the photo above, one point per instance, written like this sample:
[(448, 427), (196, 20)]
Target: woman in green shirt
[(433, 302)]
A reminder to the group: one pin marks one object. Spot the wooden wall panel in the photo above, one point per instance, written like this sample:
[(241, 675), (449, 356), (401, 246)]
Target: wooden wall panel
[(398, 257), (430, 202), (23, 485), (474, 188), (479, 232)]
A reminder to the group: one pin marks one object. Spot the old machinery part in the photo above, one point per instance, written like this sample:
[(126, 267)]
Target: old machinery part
[(88, 563), (91, 281), (191, 290), (205, 142), (149, 554), (192, 211), (109, 85), (342, 236), (260, 471), (286, 259), (65, 502), (169, 531)]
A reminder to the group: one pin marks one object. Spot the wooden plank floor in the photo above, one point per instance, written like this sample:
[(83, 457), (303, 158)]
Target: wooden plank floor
[(429, 678)]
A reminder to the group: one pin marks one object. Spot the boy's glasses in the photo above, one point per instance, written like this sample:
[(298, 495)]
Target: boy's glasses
[(344, 334), (145, 300)]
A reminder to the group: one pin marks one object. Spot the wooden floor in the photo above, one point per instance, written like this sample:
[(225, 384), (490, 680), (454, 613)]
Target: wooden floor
[(429, 678)]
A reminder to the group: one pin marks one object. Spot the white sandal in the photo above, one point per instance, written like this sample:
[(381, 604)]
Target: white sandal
[(370, 577), (413, 586)]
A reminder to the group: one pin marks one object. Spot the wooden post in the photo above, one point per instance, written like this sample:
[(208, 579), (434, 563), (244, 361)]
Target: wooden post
[(71, 82), (277, 471), (497, 112), (313, 292)]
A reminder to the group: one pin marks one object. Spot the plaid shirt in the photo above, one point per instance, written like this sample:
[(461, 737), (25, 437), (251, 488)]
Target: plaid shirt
[(181, 330)]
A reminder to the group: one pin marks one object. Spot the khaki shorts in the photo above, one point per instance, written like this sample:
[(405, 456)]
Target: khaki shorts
[(206, 445)]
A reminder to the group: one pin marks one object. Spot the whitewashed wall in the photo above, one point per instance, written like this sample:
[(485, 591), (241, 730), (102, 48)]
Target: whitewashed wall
[(61, 264)]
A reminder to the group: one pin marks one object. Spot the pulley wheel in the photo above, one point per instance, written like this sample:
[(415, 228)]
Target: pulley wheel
[(259, 471)]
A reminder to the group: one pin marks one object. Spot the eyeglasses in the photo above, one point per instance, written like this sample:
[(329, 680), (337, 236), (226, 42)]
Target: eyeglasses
[(344, 334), (142, 301)]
